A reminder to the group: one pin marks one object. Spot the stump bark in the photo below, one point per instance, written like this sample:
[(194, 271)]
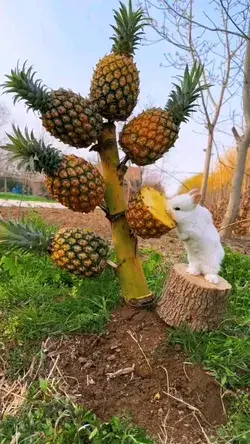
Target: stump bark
[(193, 301)]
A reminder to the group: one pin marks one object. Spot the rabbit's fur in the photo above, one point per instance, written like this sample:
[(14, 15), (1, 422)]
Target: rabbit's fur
[(201, 239)]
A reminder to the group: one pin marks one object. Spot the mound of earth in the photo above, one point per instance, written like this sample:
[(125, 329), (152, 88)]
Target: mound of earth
[(129, 369)]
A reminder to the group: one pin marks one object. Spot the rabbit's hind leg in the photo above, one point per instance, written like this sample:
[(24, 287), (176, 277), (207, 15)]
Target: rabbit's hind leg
[(211, 272)]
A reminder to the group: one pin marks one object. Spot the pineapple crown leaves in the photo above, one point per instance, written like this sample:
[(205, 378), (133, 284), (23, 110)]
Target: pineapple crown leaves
[(32, 154), (21, 82), (128, 29), (24, 237), (181, 99)]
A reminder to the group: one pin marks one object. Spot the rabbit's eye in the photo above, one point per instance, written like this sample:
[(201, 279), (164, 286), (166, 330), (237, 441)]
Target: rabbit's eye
[(177, 209)]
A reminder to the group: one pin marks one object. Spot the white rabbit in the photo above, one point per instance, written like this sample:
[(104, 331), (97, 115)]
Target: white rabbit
[(201, 239)]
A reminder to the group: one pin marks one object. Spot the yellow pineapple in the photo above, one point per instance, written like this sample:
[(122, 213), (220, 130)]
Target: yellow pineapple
[(115, 83), (66, 115), (152, 133), (71, 180), (147, 214), (78, 251)]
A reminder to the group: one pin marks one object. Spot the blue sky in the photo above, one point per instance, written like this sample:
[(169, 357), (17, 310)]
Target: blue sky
[(63, 40)]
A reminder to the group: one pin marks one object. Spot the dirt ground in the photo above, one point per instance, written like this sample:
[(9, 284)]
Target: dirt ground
[(177, 402)]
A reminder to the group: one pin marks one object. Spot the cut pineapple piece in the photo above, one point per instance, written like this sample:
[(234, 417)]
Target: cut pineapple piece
[(147, 214)]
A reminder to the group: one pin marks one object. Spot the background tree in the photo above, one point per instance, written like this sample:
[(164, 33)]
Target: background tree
[(219, 46), (242, 150)]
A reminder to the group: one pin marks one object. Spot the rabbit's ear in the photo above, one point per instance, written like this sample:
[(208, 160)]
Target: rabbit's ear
[(194, 191), (196, 197)]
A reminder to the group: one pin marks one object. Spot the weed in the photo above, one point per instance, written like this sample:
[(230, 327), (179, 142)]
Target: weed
[(237, 429), (48, 417)]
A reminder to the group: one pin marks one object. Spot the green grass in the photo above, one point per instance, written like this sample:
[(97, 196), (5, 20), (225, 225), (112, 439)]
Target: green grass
[(237, 429), (24, 197), (39, 300), (226, 352), (49, 417)]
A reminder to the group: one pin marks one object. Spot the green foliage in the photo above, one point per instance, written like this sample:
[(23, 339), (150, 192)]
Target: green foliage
[(237, 429), (31, 153), (226, 352), (128, 29), (181, 99), (48, 417), (22, 84)]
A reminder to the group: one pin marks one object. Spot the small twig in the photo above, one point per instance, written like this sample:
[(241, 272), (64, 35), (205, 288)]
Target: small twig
[(15, 438), (234, 223), (11, 392), (112, 264), (137, 342), (190, 406), (185, 372), (202, 429), (222, 403), (54, 366), (165, 370), (122, 371)]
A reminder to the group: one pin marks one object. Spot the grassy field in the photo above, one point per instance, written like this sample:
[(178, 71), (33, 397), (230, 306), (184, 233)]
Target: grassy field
[(12, 196), (30, 288)]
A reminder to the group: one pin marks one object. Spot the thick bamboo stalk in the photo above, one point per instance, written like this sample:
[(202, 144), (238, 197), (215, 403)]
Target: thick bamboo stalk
[(129, 270)]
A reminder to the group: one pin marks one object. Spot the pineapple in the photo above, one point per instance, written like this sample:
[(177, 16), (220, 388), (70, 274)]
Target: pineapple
[(66, 115), (147, 214), (78, 251), (115, 82), (71, 180), (152, 133)]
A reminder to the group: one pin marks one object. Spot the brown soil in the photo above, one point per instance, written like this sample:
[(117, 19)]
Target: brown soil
[(137, 338)]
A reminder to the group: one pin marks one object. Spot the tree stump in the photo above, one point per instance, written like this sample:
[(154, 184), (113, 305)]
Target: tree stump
[(192, 300)]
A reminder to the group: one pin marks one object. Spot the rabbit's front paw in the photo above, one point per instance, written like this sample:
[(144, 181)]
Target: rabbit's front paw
[(213, 278), (193, 271)]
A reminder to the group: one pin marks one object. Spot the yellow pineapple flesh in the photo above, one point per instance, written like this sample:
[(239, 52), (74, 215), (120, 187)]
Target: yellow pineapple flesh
[(147, 214)]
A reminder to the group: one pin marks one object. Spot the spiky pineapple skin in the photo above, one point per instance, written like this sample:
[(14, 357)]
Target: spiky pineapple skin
[(77, 184), (115, 86), (78, 251), (72, 119), (141, 221), (148, 136)]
